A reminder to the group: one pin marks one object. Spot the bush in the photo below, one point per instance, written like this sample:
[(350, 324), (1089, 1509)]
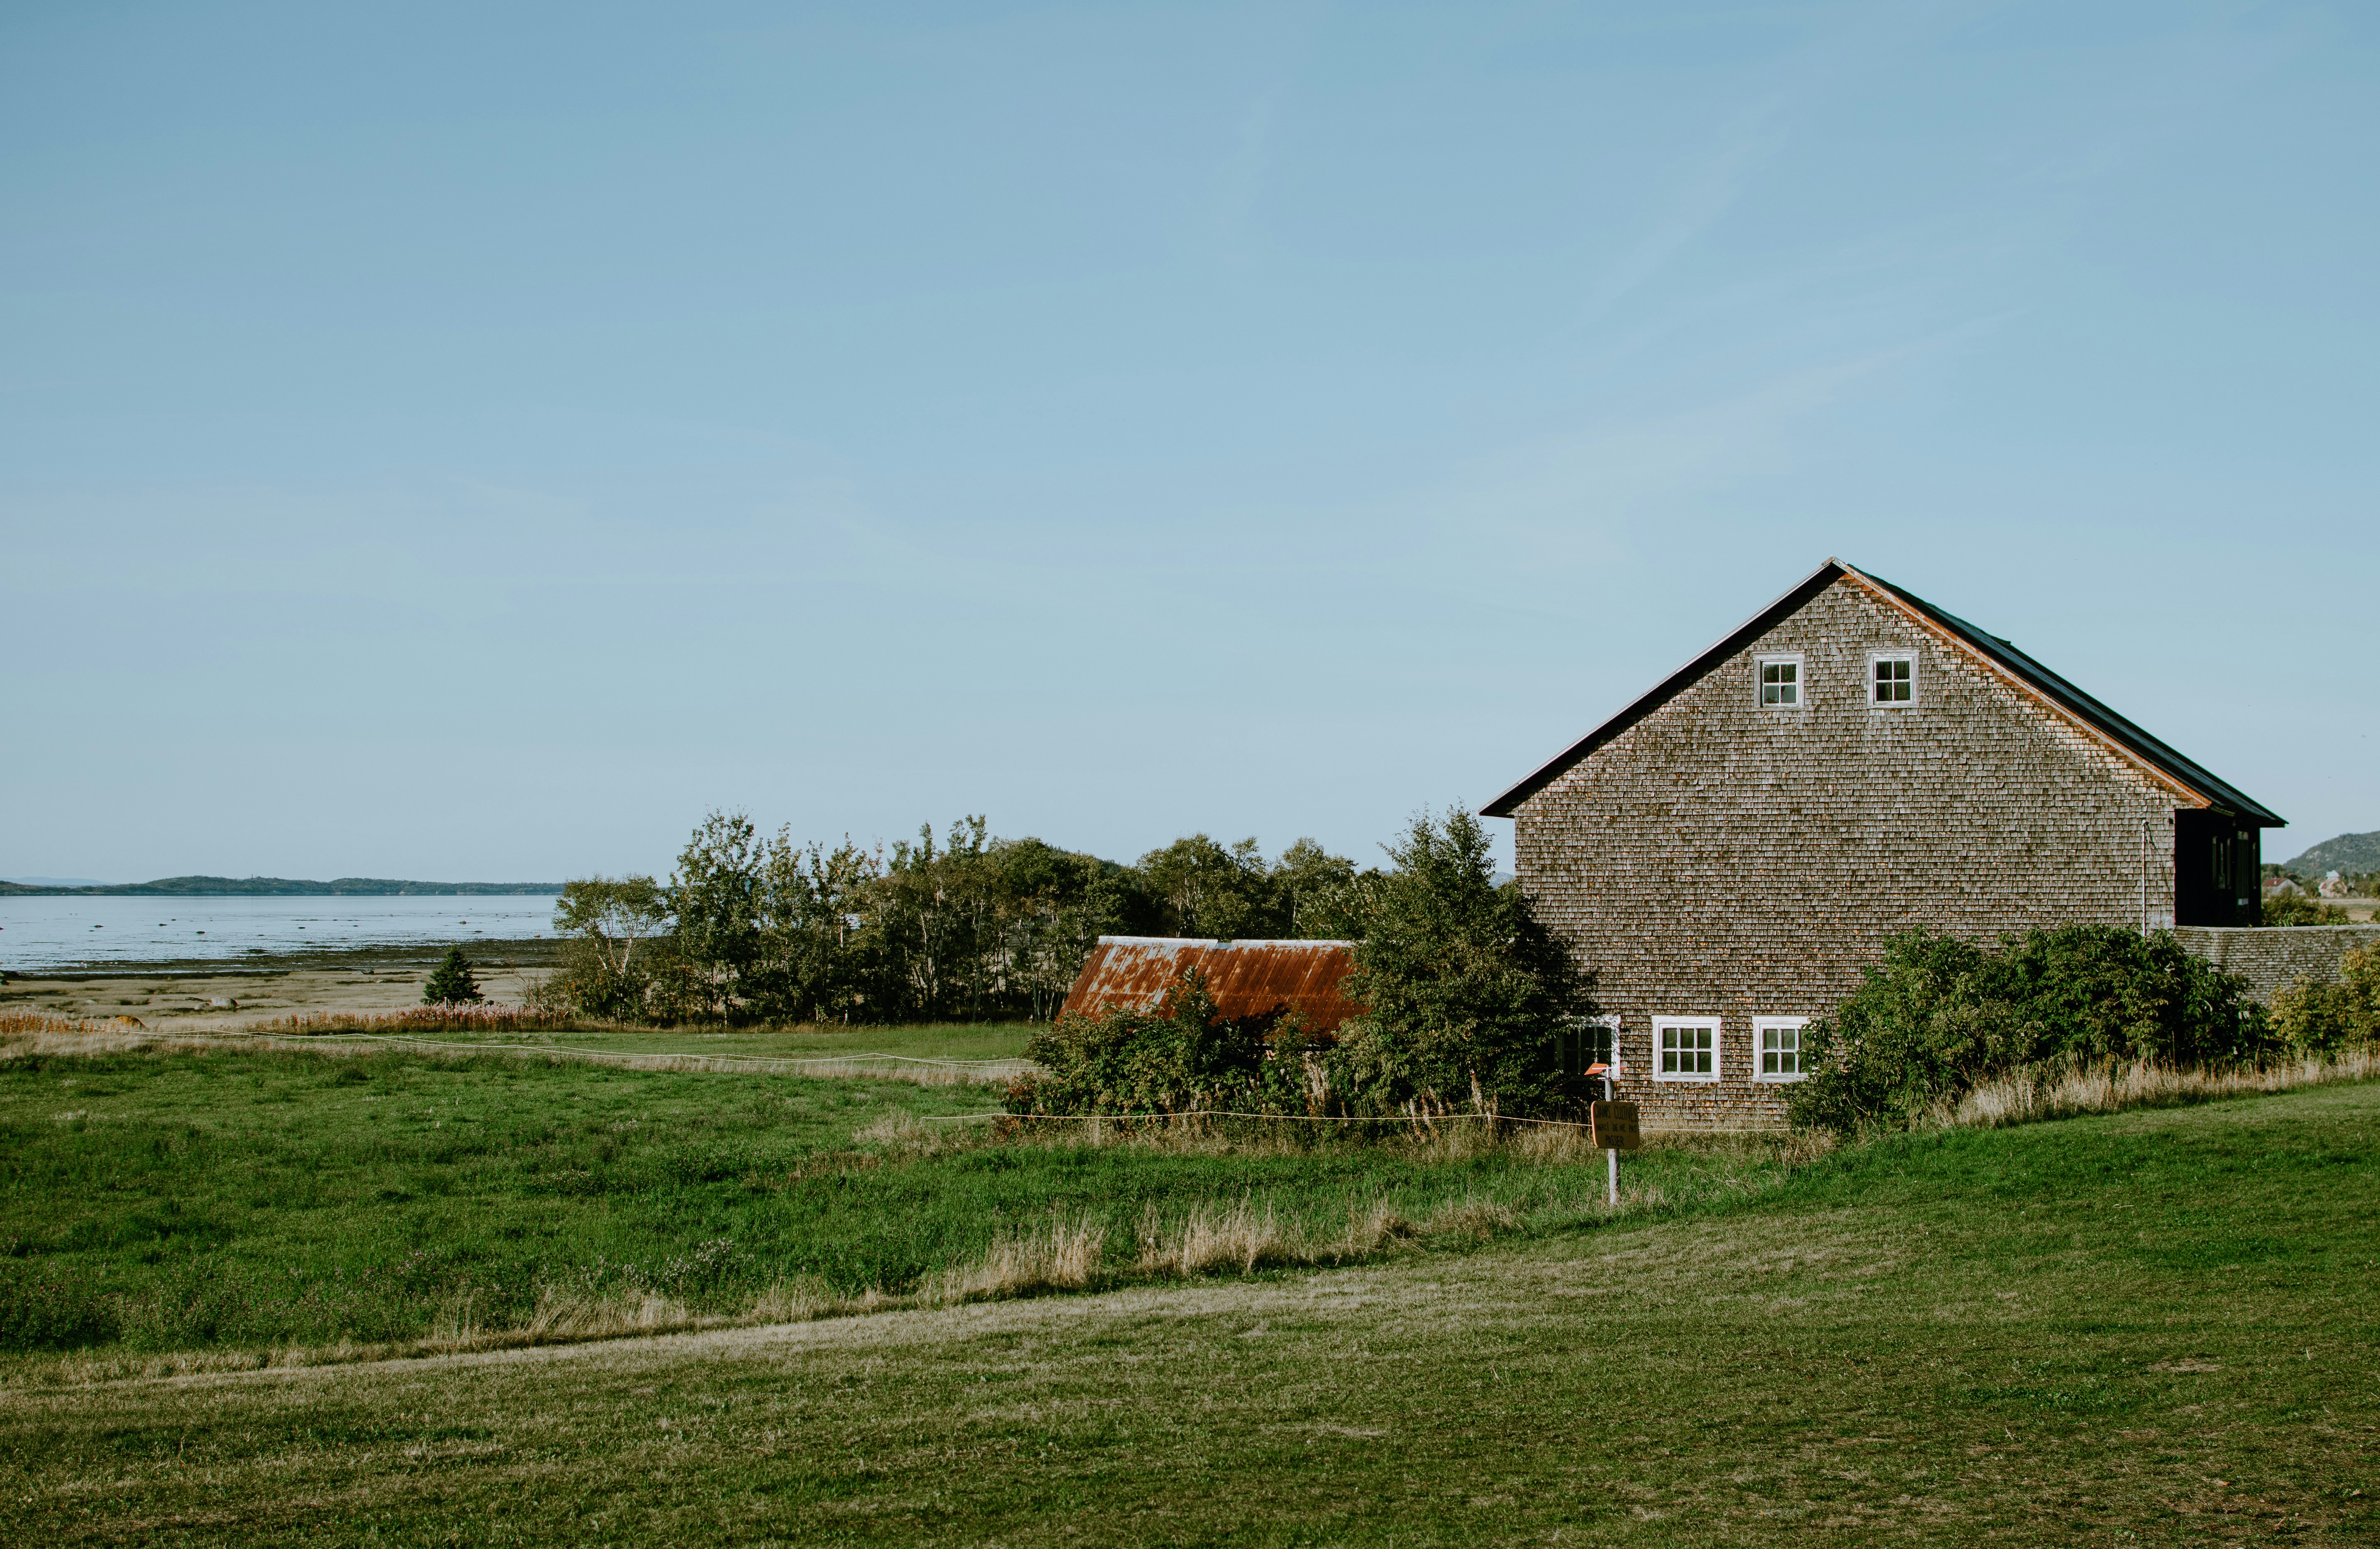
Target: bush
[(1465, 989), (2302, 908), (1182, 1056), (1939, 1014), (2316, 1017)]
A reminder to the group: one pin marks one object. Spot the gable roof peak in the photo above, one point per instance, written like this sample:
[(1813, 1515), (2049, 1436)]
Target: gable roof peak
[(2191, 783)]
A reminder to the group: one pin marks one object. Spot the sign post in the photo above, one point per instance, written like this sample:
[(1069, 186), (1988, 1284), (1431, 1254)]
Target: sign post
[(1613, 1126)]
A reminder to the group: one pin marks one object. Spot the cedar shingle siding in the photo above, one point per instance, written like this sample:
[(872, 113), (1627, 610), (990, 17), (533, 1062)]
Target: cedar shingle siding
[(1710, 857)]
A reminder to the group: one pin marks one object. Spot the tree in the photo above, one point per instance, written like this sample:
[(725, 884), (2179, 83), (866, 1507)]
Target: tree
[(605, 919), (1051, 906), (817, 958), (1202, 888), (1311, 884), (715, 894), (1465, 989), (450, 983)]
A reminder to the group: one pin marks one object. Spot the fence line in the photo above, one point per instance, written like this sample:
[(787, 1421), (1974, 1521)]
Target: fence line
[(986, 1068)]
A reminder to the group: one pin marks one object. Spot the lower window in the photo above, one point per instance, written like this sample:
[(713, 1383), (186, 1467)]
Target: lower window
[(1685, 1048), (1777, 1048), (1585, 1041)]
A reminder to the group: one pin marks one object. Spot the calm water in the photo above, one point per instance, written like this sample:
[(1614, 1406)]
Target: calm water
[(49, 932)]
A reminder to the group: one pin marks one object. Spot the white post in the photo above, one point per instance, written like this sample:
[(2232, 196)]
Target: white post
[(1611, 1154)]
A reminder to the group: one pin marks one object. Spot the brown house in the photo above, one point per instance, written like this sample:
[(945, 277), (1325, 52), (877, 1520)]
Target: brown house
[(1731, 849)]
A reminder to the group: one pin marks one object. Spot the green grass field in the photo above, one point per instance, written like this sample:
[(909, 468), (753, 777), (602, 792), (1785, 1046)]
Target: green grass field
[(234, 1200), (2153, 1327)]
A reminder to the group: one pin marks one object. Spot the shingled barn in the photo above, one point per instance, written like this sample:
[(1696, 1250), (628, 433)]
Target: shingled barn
[(1730, 850)]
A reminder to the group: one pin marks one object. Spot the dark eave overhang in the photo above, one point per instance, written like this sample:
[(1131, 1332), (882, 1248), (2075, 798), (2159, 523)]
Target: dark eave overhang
[(2216, 794), (2194, 784), (1668, 688)]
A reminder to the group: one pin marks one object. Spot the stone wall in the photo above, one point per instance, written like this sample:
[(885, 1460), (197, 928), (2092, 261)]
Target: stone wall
[(2273, 958), (1721, 859)]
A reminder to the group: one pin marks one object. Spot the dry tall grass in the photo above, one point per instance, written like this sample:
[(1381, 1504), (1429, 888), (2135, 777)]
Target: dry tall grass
[(416, 1019), (1066, 1253), (2064, 1090)]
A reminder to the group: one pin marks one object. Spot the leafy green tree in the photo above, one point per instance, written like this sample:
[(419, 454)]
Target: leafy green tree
[(817, 958), (1051, 906), (1315, 890), (452, 982), (935, 918), (604, 920), (1203, 889), (1465, 988), (715, 894), (1938, 1014)]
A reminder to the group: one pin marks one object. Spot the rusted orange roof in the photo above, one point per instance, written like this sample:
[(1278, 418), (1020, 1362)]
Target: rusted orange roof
[(1247, 978)]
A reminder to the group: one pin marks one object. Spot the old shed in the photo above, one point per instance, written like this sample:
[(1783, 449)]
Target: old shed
[(1247, 978)]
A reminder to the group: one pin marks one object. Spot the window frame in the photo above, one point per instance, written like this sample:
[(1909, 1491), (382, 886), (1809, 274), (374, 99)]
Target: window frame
[(1762, 1026), (1895, 655), (1761, 662), (1717, 1050), (1578, 1027)]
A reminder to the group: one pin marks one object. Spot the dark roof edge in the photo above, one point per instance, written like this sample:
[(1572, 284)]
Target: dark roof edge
[(2090, 712), (1668, 688)]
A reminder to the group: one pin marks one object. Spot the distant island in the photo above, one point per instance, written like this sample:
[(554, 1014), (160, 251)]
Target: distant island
[(283, 887)]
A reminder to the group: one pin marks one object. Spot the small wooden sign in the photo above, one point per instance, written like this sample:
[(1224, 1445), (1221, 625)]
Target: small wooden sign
[(1613, 1126)]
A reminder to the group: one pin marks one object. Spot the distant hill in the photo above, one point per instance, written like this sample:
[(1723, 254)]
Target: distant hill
[(284, 886), (2347, 854)]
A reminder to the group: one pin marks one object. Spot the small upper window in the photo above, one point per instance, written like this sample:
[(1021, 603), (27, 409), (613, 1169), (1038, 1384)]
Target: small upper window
[(1892, 679), (1781, 681)]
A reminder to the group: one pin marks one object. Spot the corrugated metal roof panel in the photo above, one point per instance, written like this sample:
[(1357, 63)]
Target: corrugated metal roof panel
[(1247, 978)]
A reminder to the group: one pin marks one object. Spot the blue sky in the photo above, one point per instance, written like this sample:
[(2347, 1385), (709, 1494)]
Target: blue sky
[(462, 443)]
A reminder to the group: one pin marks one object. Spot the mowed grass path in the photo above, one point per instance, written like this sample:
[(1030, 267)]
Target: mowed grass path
[(2146, 1328)]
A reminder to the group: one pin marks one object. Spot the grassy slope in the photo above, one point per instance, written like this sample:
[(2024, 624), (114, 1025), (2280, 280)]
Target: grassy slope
[(2149, 1328), (252, 1200)]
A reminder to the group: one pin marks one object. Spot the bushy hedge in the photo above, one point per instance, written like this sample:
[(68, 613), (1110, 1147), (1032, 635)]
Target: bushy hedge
[(1938, 1014), (2319, 1017), (1182, 1056)]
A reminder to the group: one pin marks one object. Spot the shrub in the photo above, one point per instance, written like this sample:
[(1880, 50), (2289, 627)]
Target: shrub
[(1181, 1056), (1939, 1014), (2302, 908), (450, 983), (2316, 1017), (1465, 989)]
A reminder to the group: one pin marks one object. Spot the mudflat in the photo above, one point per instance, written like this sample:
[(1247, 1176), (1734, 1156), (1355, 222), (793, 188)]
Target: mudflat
[(202, 994)]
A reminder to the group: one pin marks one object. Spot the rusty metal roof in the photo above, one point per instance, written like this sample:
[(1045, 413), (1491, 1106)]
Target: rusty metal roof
[(1247, 978)]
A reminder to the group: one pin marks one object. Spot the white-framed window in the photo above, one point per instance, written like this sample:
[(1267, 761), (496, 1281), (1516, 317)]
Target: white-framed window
[(1586, 1041), (1777, 1048), (1892, 679), (1685, 1048), (1777, 682)]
